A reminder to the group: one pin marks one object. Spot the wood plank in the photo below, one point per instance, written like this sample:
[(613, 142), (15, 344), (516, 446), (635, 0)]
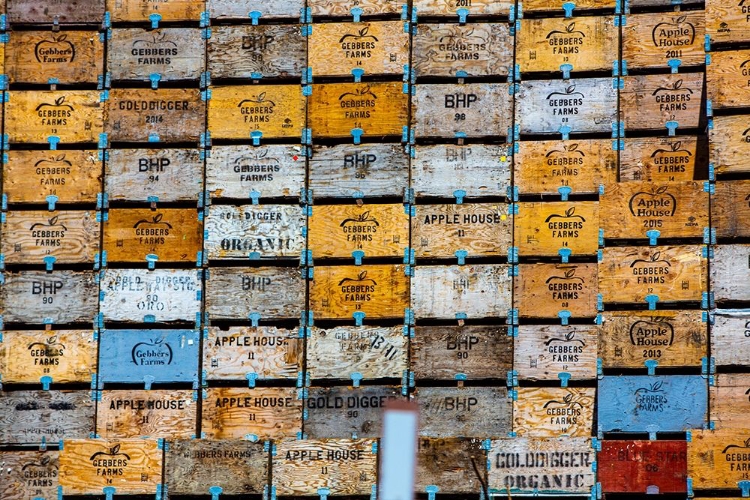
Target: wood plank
[(241, 9), (730, 273), (29, 474), (455, 465), (654, 467), (64, 11), (554, 411), (479, 412), (729, 144), (718, 459), (730, 209), (347, 412), (545, 290), (730, 336), (557, 5), (728, 400), (650, 102), (343, 8), (141, 10), (659, 160), (548, 228), (33, 417), (155, 414), (543, 352), (727, 82), (652, 40), (726, 22), (449, 8)]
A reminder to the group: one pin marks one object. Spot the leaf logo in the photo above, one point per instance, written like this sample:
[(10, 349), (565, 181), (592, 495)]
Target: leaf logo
[(361, 34), (361, 278), (570, 90), (569, 275), (653, 259), (571, 148), (569, 30), (566, 401), (43, 462), (360, 92), (569, 338), (569, 214), (260, 99), (362, 218), (55, 159), (156, 220), (111, 452), (50, 223), (674, 87), (59, 103), (654, 387)]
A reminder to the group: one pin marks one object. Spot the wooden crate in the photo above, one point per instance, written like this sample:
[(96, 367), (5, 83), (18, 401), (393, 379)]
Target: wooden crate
[(659, 159), (35, 116), (64, 237), (347, 412), (343, 8), (62, 11), (728, 78), (129, 466), (58, 298), (582, 104), (551, 167), (452, 8), (142, 10), (557, 5), (143, 296), (480, 229), (341, 466), (653, 40), (29, 474), (33, 417), (726, 22), (156, 414), (546, 290), (718, 459), (730, 336), (730, 209), (549, 228), (729, 400), (236, 413), (371, 351), (336, 110), (654, 467), (378, 291), (543, 352), (271, 292), (730, 273), (256, 52), (65, 356), (479, 412), (242, 9), (360, 48), (554, 411), (673, 338), (161, 115), (656, 102), (451, 464), (451, 352), (729, 144)]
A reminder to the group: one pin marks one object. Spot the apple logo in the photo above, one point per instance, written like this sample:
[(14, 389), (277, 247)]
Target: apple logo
[(155, 41), (58, 49), (50, 223), (570, 91), (569, 30), (114, 451), (260, 99), (569, 214), (651, 389), (569, 338), (651, 333), (44, 462), (361, 278), (676, 86), (677, 33), (55, 159), (655, 203), (567, 402), (360, 92), (156, 220), (51, 347), (570, 275), (155, 352), (60, 106), (674, 147), (653, 259), (363, 218), (360, 35), (744, 446), (567, 148)]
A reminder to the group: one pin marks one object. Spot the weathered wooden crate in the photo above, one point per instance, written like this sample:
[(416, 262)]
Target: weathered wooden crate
[(256, 52), (640, 210), (455, 352), (727, 21), (462, 110), (340, 466), (347, 412), (164, 414), (673, 338), (729, 400), (549, 290), (479, 412), (729, 144), (65, 356), (557, 228), (347, 352), (33, 417), (58, 297), (547, 466), (44, 57), (446, 50), (730, 336), (143, 10), (378, 291), (41, 116), (257, 413), (36, 237), (360, 48), (344, 110), (125, 466), (455, 171), (346, 8), (143, 296), (653, 403), (161, 115), (195, 466), (580, 104), (255, 9), (455, 465), (730, 209), (718, 459), (462, 8), (657, 40), (60, 11), (556, 167), (656, 3), (554, 411), (567, 44), (241, 293), (656, 102), (479, 229), (557, 5), (654, 467), (659, 159), (728, 78), (730, 273), (546, 352), (29, 474)]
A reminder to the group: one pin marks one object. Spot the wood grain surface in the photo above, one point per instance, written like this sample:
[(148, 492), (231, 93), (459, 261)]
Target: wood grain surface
[(730, 209), (730, 336), (29, 474), (730, 273), (544, 290), (544, 229), (659, 160), (140, 10), (347, 412), (652, 40), (554, 411), (729, 144), (649, 102), (167, 414), (33, 417), (479, 412), (542, 352)]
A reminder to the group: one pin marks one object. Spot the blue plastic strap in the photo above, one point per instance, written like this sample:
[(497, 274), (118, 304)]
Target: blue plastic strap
[(154, 18)]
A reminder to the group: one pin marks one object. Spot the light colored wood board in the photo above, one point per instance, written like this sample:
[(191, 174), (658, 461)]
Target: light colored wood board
[(250, 51), (730, 336), (141, 10), (445, 352), (518, 466), (657, 3), (267, 351), (654, 159), (32, 116), (172, 234), (451, 464), (480, 229), (171, 53), (374, 352), (728, 79), (347, 412), (162, 174), (544, 290), (542, 352), (194, 466), (728, 400), (544, 167), (275, 111), (65, 11), (730, 209), (69, 56), (29, 474), (727, 22), (451, 7), (554, 411), (378, 109), (241, 9), (30, 417), (673, 338), (729, 144), (66, 356), (37, 296), (649, 102), (32, 176), (557, 5), (134, 295), (268, 413), (71, 237), (652, 40), (546, 228), (166, 414), (480, 49), (131, 466), (377, 48), (583, 104), (629, 210), (730, 273), (479, 412), (380, 291), (272, 292), (643, 466), (167, 115), (354, 170), (342, 8), (718, 459)]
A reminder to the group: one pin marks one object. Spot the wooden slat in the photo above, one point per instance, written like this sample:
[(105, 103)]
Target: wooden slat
[(240, 9), (346, 412), (141, 10), (65, 12), (727, 82), (29, 474), (730, 336), (544, 290), (543, 352), (729, 144), (730, 209), (343, 8), (455, 465), (649, 102), (729, 402), (167, 414), (730, 273), (643, 466), (659, 160), (557, 5), (727, 21), (450, 8), (547, 228), (718, 459), (554, 411), (31, 417), (652, 40), (481, 412)]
